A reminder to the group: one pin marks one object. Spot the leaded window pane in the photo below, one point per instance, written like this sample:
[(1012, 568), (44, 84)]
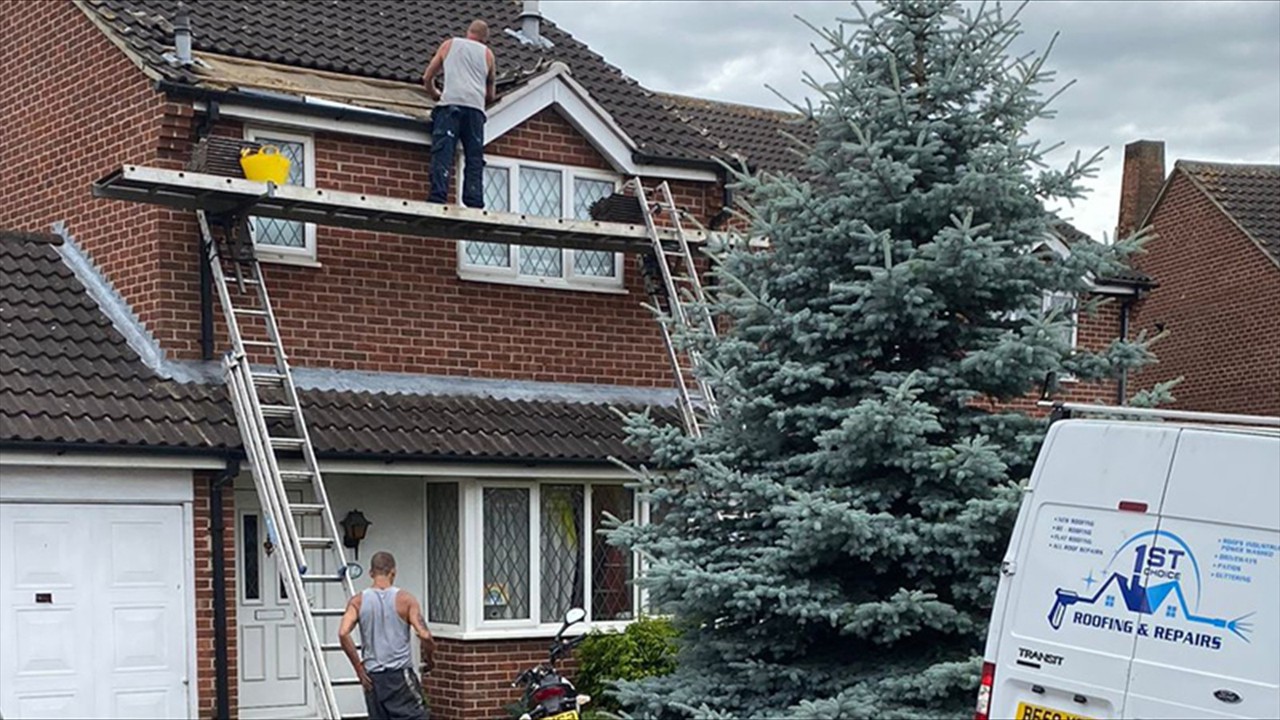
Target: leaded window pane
[(540, 194), (443, 578), (594, 263), (497, 196), (611, 567), (273, 231), (562, 550), (506, 553), (1065, 305)]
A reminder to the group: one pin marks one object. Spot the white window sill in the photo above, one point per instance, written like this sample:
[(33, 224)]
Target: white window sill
[(472, 275), (267, 256), (454, 632)]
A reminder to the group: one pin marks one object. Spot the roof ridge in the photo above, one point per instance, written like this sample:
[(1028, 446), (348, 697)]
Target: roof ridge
[(1270, 168), (731, 103)]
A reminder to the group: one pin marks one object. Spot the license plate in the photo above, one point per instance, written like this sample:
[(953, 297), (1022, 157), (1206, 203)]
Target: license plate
[(571, 715), (1027, 711)]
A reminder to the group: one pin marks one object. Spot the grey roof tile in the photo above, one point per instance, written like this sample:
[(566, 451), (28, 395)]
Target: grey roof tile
[(67, 376), (755, 135)]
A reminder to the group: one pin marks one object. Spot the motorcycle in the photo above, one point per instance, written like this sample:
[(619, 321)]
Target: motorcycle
[(547, 694)]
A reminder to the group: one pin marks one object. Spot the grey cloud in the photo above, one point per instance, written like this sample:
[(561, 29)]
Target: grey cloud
[(1203, 76)]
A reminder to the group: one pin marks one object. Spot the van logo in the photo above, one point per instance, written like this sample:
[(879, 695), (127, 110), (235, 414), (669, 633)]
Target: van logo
[(1227, 696), (1161, 582)]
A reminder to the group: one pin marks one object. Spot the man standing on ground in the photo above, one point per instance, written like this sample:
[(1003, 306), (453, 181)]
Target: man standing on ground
[(386, 613), (469, 82)]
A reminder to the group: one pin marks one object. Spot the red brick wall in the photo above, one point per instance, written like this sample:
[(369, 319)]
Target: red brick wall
[(206, 676), (472, 679), (1218, 300), (75, 108), (1095, 332)]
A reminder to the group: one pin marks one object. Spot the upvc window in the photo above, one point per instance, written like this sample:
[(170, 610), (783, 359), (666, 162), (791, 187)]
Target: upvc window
[(287, 241), (1065, 305), (531, 551), (548, 191)]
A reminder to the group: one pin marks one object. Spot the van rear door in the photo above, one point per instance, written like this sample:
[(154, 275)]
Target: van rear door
[(1068, 631), (1211, 645)]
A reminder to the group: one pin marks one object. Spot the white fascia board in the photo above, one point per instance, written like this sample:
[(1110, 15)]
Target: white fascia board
[(555, 87), (280, 118), (157, 461), (479, 470)]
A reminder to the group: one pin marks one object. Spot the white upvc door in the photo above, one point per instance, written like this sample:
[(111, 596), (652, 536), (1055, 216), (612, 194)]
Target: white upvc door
[(93, 617), (272, 675)]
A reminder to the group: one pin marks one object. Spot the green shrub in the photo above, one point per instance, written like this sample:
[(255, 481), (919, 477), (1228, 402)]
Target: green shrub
[(645, 649)]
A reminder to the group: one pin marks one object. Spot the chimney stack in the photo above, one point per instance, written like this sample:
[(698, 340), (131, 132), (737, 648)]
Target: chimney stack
[(182, 35), (1142, 178), (531, 21)]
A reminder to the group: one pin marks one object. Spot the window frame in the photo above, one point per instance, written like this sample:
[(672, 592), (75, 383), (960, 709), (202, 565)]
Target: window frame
[(305, 255), (472, 623), (568, 279)]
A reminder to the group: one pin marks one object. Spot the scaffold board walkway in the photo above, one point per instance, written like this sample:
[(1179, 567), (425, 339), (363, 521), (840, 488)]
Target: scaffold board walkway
[(217, 194)]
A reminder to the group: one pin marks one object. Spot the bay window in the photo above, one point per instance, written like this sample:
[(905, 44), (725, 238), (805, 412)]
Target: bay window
[(511, 558), (545, 191)]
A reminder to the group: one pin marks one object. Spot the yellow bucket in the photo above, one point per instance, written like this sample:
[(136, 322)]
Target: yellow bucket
[(265, 165)]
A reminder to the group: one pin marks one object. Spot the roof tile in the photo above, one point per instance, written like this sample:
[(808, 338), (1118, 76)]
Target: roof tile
[(1250, 194)]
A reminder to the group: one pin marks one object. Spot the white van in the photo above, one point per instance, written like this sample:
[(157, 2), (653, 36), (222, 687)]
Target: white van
[(1143, 576)]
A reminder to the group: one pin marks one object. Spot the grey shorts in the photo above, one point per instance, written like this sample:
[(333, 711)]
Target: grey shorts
[(396, 695)]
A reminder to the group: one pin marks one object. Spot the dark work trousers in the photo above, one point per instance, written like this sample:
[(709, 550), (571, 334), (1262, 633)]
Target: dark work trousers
[(451, 124), (396, 695)]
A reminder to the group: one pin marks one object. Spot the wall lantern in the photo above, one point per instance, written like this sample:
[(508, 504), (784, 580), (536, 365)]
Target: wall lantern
[(354, 527)]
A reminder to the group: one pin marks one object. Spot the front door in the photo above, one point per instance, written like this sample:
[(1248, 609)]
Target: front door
[(273, 676)]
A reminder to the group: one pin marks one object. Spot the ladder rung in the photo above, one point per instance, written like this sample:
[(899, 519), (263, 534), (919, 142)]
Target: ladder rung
[(345, 682), (313, 543), (241, 281), (322, 578), (267, 378), (295, 475), (249, 311), (277, 411), (258, 343), (286, 443), (328, 611), (306, 508)]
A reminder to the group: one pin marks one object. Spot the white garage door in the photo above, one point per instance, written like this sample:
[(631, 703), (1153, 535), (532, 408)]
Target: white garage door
[(92, 616)]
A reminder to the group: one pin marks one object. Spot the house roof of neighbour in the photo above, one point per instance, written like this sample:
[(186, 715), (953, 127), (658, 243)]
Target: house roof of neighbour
[(753, 134), (391, 40), (1248, 194), (68, 376), (1072, 235)]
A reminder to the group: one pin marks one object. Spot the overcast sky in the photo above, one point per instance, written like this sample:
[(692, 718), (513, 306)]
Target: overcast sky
[(1202, 76)]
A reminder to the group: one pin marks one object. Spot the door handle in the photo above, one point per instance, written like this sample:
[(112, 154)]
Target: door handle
[(1227, 696)]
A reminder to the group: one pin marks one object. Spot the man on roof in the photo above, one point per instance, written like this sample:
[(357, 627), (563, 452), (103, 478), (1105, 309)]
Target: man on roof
[(469, 79)]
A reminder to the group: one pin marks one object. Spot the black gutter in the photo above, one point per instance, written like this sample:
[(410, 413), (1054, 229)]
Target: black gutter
[(691, 163), (217, 539), (275, 102)]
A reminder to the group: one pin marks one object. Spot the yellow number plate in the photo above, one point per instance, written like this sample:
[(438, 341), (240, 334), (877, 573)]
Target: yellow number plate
[(571, 715), (1027, 711)]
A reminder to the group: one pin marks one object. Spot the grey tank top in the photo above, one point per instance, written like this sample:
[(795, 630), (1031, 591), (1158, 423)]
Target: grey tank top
[(383, 633), (466, 74)]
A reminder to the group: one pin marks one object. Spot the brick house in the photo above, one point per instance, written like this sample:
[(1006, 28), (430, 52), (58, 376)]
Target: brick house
[(1216, 255), (455, 390)]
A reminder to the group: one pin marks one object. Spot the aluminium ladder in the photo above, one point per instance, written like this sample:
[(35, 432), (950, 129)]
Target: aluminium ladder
[(672, 300), (273, 430)]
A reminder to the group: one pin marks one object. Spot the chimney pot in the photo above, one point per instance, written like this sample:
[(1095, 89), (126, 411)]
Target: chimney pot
[(1140, 183)]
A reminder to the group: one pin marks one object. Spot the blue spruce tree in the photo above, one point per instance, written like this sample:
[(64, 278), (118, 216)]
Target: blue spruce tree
[(829, 548)]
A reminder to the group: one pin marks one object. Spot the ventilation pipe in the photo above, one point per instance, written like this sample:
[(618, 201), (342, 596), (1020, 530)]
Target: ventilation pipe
[(182, 35), (531, 21)]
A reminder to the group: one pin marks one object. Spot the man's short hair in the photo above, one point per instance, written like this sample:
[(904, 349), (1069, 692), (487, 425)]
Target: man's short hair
[(478, 29), (382, 563)]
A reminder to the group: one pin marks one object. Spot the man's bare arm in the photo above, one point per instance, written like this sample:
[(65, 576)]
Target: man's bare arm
[(414, 618), (349, 620), (491, 86), (434, 67)]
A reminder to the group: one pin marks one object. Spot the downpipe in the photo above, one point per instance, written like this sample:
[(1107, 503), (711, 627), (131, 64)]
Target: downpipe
[(217, 535)]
